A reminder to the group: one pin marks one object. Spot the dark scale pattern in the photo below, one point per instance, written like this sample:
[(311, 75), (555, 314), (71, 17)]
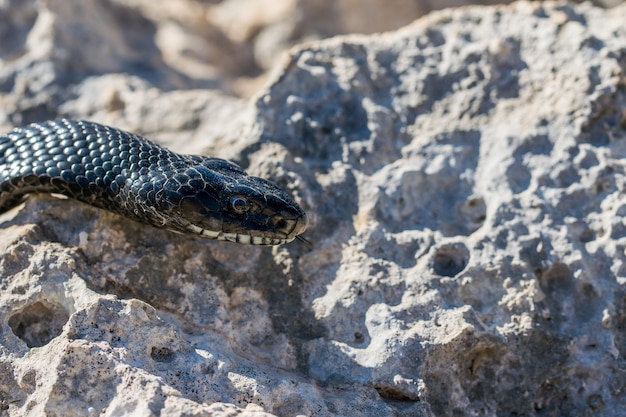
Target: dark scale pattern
[(127, 174)]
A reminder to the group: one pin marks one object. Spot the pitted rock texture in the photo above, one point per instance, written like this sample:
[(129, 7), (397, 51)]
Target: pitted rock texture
[(465, 181)]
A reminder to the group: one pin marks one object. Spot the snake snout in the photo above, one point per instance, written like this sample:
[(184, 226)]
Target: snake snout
[(292, 222)]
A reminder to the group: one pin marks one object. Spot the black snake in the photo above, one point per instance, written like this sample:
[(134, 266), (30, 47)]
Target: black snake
[(127, 174)]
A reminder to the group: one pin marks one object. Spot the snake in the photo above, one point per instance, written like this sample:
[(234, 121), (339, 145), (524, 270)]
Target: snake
[(129, 175)]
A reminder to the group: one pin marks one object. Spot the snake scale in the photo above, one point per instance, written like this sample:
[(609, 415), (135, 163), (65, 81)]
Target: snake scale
[(129, 175)]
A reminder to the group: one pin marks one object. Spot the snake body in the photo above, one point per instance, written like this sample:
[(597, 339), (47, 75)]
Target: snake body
[(129, 175)]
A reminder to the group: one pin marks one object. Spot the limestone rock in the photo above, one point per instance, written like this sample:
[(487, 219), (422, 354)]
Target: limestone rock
[(465, 181)]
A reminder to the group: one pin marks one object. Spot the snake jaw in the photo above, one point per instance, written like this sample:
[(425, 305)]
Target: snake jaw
[(254, 240), (237, 237)]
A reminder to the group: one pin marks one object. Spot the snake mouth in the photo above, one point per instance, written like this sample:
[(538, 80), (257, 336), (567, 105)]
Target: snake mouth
[(283, 228), (252, 240), (238, 237)]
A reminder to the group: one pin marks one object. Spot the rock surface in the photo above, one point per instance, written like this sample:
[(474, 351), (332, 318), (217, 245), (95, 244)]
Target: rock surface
[(465, 180)]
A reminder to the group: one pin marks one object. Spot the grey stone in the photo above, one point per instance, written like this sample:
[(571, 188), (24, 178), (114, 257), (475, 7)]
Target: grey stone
[(464, 177)]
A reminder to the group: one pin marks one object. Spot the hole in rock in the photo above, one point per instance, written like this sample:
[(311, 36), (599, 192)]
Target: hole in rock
[(473, 212), (450, 260), (395, 393), (38, 323), (595, 402), (162, 354), (559, 278)]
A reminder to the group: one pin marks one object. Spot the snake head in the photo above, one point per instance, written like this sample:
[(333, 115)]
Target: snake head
[(218, 200)]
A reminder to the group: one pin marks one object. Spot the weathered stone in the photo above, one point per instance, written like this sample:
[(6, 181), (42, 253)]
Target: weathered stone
[(464, 177)]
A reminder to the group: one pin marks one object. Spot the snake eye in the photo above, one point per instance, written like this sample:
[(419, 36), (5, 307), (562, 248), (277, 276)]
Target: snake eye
[(239, 204)]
